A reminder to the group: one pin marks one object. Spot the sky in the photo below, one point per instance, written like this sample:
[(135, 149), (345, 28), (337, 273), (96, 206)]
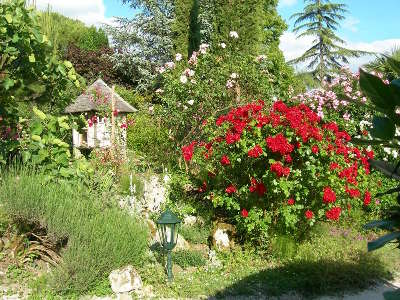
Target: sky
[(370, 25)]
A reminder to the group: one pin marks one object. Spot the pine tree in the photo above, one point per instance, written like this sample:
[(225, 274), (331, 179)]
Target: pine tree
[(320, 19)]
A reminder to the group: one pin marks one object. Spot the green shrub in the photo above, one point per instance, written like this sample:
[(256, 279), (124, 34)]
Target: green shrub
[(197, 234), (149, 139), (186, 258), (131, 96), (100, 238)]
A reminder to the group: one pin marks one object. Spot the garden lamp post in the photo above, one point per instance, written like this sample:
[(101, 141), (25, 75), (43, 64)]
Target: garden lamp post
[(168, 225)]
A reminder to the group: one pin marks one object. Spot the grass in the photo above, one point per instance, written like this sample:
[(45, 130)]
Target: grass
[(196, 234), (99, 237), (331, 262)]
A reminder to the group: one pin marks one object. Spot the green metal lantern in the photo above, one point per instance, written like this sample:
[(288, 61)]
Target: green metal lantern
[(168, 225)]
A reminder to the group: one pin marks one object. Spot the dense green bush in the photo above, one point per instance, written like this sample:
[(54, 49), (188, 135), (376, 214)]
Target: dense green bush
[(148, 138), (100, 238)]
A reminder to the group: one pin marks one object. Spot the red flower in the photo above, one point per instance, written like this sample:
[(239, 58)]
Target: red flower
[(124, 126), (309, 214), (288, 158), (333, 166), (115, 112), (244, 213), (367, 198), (364, 132), (333, 213), (290, 201), (90, 123), (187, 151), (231, 189), (225, 160), (354, 193), (231, 138), (203, 188), (279, 169), (279, 144), (315, 149), (329, 195), (255, 152), (258, 187)]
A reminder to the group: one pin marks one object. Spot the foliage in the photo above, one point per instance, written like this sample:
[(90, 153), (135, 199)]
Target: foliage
[(197, 233), (385, 98), (189, 258), (320, 19), (43, 145), (132, 96), (257, 23), (283, 169), (215, 79), (148, 138), (386, 65), (29, 71), (63, 31), (99, 238), (94, 64), (142, 43)]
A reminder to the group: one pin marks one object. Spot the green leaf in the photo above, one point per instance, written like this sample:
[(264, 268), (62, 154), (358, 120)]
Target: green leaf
[(383, 128), (36, 128), (68, 64), (8, 18), (26, 155), (37, 88), (8, 83), (32, 58), (383, 240), (39, 113), (36, 138), (378, 92), (385, 167)]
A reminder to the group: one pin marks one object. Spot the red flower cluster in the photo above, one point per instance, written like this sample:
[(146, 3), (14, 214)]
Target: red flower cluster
[(244, 213), (309, 214), (367, 198), (255, 152), (187, 151), (290, 201), (225, 160), (314, 149), (329, 195), (354, 193), (333, 213), (279, 144), (231, 189), (257, 187), (279, 169)]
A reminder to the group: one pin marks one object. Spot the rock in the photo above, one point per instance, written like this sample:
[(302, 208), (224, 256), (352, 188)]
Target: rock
[(181, 244), (202, 248), (125, 280), (146, 292), (222, 236), (155, 192), (190, 220), (124, 296)]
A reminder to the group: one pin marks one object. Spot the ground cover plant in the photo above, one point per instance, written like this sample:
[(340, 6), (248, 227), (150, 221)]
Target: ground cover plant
[(98, 237)]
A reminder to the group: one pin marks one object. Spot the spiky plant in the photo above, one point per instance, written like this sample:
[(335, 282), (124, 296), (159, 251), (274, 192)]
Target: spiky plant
[(320, 19)]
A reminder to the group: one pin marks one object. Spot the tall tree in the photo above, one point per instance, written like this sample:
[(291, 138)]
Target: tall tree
[(320, 19)]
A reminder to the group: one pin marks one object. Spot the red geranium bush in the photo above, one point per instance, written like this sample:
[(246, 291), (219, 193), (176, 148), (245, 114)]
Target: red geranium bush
[(282, 168)]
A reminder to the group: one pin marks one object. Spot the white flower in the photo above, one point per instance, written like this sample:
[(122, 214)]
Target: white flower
[(151, 109), (234, 75), (260, 58), (183, 79), (203, 48), (170, 65), (193, 58), (193, 81), (178, 57), (190, 102), (229, 84), (223, 45), (233, 34), (346, 116), (161, 70), (159, 91), (189, 72), (185, 107)]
